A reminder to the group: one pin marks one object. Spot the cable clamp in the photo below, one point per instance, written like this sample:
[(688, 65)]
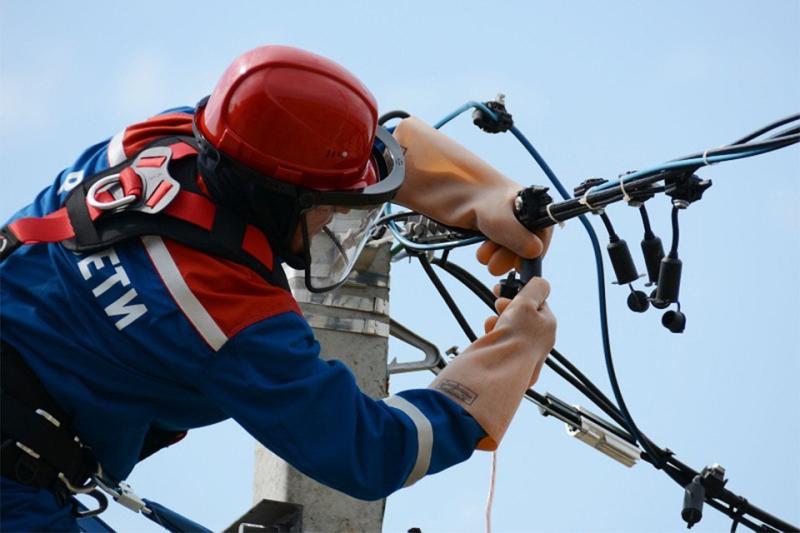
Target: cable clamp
[(603, 440)]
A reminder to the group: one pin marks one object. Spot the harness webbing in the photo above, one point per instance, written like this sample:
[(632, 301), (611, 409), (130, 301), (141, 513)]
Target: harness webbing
[(140, 197)]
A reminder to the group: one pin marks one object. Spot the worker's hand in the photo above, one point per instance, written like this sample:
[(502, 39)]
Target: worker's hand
[(491, 376), (509, 241), (450, 184), (542, 325)]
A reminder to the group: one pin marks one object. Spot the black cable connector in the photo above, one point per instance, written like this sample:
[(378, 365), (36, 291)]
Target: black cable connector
[(504, 120), (693, 498), (669, 277), (618, 253)]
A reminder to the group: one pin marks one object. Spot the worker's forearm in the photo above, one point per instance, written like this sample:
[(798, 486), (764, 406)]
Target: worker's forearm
[(444, 180)]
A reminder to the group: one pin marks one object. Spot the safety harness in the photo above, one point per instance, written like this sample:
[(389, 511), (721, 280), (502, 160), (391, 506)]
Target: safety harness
[(154, 192)]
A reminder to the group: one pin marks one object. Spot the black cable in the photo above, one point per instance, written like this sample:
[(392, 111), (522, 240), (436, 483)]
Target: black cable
[(673, 250), (661, 458), (468, 280), (768, 127), (457, 314), (612, 235), (536, 397), (386, 117), (566, 376), (580, 382), (594, 393), (648, 230)]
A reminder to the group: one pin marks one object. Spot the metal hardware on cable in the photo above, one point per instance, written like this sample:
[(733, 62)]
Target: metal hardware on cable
[(676, 179)]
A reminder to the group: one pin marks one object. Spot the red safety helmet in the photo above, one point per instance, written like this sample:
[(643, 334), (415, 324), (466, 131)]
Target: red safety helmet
[(281, 116), (296, 117)]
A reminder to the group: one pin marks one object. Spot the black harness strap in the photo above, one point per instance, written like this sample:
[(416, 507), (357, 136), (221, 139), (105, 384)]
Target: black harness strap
[(38, 441)]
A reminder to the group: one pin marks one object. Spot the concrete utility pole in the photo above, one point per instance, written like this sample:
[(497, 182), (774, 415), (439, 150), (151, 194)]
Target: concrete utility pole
[(352, 325)]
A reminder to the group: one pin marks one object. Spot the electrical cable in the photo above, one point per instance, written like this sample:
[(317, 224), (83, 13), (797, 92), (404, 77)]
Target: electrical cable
[(662, 459), (578, 380), (673, 249), (457, 314), (768, 127), (648, 230), (386, 117)]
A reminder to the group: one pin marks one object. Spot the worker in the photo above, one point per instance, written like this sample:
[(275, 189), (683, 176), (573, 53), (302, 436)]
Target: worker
[(143, 293)]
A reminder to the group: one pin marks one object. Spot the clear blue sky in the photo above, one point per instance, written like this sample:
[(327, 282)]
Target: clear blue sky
[(600, 88)]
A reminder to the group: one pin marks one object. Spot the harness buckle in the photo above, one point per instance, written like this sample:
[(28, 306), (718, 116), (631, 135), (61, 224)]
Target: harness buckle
[(144, 186), (159, 188), (104, 185)]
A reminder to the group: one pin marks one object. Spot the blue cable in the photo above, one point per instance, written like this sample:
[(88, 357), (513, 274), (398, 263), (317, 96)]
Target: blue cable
[(601, 290), (598, 264), (671, 165)]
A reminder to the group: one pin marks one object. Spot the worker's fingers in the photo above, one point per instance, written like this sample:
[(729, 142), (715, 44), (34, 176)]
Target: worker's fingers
[(500, 304), (534, 292), (496, 290), (489, 323), (545, 236), (502, 261), (485, 251), (500, 225)]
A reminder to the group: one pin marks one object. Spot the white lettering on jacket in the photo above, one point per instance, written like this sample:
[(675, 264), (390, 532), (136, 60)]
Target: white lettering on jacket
[(71, 180), (121, 307)]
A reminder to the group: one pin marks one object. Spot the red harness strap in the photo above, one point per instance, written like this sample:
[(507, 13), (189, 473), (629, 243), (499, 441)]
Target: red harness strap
[(54, 227), (187, 206)]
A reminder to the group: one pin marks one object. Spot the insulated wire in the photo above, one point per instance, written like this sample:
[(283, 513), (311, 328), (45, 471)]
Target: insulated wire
[(577, 379), (661, 459), (673, 250), (769, 127), (631, 426)]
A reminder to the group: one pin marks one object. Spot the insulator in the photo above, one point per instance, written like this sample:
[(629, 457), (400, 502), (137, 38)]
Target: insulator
[(669, 280), (622, 261)]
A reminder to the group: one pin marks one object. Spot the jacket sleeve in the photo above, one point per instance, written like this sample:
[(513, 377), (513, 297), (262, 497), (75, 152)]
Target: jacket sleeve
[(310, 412)]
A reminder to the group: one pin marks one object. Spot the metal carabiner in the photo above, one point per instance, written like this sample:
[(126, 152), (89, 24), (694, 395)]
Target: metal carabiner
[(106, 206), (102, 505)]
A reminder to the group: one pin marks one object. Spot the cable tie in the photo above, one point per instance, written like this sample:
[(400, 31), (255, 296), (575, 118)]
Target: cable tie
[(706, 162), (625, 195), (585, 201), (550, 214)]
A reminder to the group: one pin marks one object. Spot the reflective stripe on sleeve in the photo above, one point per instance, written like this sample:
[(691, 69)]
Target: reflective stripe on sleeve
[(424, 436)]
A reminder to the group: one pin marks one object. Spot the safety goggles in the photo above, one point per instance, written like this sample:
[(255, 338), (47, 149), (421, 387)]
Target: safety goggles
[(336, 225)]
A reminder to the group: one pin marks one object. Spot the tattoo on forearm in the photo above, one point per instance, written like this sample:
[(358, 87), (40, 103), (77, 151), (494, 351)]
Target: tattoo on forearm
[(457, 390)]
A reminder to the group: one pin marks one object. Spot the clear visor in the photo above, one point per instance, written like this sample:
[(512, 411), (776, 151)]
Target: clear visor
[(334, 238)]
